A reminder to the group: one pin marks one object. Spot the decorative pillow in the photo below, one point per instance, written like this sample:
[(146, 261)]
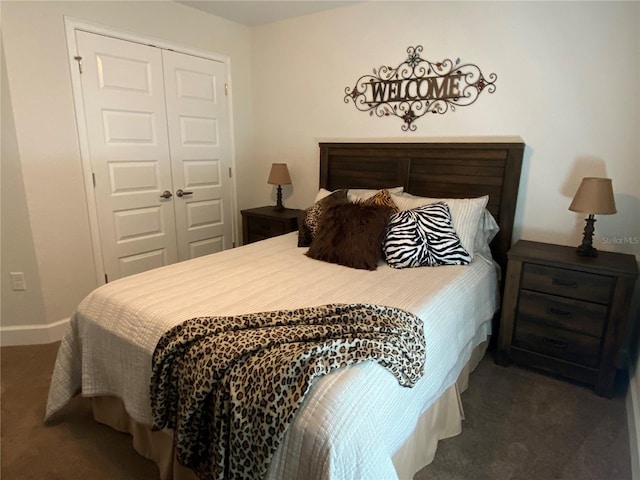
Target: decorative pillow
[(465, 212), (350, 234), (423, 236), (382, 198), (308, 226)]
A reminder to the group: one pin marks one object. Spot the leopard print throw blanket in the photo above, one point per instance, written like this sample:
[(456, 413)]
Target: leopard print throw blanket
[(230, 386)]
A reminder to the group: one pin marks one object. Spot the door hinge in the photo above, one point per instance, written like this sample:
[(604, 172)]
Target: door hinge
[(93, 177), (226, 89), (106, 279), (78, 58)]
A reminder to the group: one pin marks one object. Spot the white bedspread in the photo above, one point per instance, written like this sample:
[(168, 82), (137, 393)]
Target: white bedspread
[(353, 420)]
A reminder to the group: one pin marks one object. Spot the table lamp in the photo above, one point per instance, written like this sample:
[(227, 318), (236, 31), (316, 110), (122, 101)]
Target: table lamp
[(279, 175), (594, 197)]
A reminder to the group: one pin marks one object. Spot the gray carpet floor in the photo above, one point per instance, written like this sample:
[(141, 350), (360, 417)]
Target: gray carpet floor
[(520, 425), (523, 425)]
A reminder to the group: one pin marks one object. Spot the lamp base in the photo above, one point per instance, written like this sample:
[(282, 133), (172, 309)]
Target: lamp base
[(586, 249), (279, 207)]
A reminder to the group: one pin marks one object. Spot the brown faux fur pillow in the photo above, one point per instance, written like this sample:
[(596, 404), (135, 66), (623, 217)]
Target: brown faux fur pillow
[(308, 223), (350, 234)]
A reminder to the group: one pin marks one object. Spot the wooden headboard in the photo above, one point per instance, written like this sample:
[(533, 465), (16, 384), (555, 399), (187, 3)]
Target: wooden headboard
[(438, 170)]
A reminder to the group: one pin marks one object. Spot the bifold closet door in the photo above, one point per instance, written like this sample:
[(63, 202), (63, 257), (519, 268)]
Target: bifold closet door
[(199, 143), (159, 152)]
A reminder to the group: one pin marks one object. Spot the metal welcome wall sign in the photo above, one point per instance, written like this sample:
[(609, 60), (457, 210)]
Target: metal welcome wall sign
[(418, 86)]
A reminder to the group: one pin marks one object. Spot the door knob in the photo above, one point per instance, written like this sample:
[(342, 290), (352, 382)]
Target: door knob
[(166, 194), (182, 193)]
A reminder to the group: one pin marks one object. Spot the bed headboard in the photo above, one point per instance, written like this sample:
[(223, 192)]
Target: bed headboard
[(439, 170)]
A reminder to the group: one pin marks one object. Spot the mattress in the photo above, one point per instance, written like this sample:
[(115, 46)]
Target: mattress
[(354, 420)]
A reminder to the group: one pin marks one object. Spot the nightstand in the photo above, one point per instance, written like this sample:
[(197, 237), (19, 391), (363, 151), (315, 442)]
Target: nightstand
[(565, 314), (264, 222)]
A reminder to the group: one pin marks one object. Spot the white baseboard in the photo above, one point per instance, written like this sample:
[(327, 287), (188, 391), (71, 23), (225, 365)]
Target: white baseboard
[(33, 334), (633, 420)]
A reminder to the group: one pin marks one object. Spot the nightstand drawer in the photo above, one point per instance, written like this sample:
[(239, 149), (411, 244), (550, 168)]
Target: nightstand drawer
[(558, 312), (567, 283), (557, 343), (265, 227), (265, 222)]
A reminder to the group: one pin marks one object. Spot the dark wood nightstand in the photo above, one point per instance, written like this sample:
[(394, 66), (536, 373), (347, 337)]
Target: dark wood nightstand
[(566, 314), (265, 222)]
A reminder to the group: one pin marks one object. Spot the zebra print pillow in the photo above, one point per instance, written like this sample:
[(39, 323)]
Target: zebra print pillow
[(423, 236), (465, 214)]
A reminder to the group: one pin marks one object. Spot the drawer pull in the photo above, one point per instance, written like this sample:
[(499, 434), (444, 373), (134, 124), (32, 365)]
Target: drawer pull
[(554, 343), (560, 313), (564, 283)]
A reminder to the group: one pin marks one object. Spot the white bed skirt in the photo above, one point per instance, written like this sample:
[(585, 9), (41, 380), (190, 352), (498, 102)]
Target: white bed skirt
[(442, 420)]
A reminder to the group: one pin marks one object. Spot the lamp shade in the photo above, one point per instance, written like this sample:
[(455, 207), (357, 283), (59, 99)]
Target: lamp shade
[(594, 196), (279, 174)]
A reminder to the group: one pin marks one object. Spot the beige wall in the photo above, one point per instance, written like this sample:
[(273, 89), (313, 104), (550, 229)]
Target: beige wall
[(44, 216), (17, 250)]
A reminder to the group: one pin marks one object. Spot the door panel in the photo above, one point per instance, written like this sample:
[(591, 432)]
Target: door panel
[(124, 106), (142, 262), (128, 128), (199, 142)]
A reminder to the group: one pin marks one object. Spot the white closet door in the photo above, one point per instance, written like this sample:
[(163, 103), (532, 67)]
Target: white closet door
[(200, 152), (124, 106), (160, 151)]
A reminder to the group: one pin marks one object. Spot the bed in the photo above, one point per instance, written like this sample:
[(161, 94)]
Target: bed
[(356, 422)]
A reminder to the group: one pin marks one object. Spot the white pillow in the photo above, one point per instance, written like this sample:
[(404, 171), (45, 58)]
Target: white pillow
[(466, 214), (354, 194), (322, 193), (487, 229), (359, 194)]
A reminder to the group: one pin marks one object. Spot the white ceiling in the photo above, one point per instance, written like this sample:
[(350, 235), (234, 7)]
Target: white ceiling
[(260, 12)]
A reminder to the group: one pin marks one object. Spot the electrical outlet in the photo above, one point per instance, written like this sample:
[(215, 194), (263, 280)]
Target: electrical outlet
[(17, 281)]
